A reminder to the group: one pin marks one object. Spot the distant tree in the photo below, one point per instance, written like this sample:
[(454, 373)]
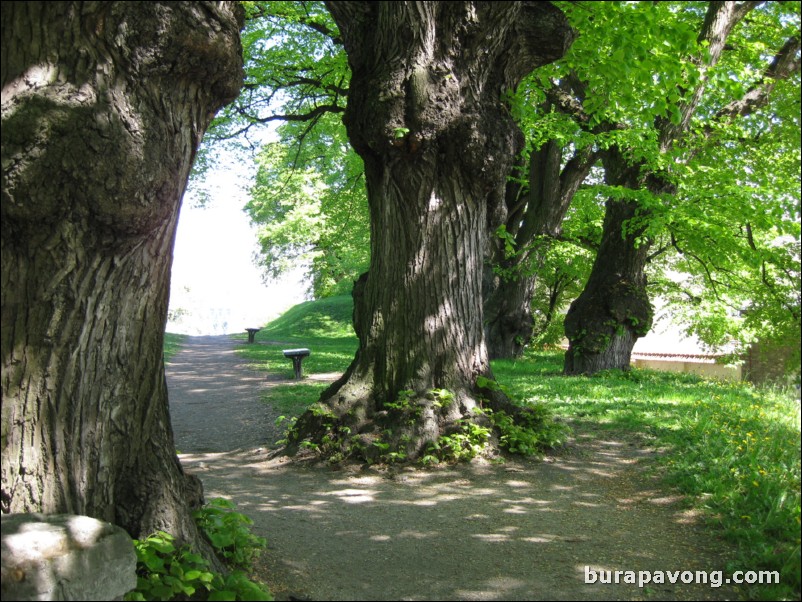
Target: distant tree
[(310, 205), (308, 199), (702, 74), (519, 274), (104, 105), (635, 70)]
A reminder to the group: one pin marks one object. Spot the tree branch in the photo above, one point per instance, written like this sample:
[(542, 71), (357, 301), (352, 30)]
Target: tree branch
[(785, 63), (312, 115)]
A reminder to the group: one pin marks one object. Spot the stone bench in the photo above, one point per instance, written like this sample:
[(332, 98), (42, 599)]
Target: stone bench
[(297, 356), (65, 557)]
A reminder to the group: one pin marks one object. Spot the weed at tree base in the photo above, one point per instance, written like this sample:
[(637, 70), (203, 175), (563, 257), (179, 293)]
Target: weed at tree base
[(168, 572)]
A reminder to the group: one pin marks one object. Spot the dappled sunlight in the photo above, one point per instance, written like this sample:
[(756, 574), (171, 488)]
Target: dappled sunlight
[(586, 504), (499, 588), (207, 378), (352, 496), (488, 526), (474, 522)]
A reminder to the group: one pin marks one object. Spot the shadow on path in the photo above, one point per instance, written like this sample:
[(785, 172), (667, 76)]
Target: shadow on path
[(215, 399), (523, 530)]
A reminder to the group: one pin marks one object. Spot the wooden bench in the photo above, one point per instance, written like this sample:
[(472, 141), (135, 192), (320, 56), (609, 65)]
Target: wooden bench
[(297, 356)]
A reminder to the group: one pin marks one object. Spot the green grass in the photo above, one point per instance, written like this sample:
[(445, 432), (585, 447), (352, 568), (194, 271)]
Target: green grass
[(324, 327), (732, 449), (292, 400), (172, 343)]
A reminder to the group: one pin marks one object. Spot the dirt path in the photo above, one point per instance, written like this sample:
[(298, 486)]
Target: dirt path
[(518, 531), (215, 399)]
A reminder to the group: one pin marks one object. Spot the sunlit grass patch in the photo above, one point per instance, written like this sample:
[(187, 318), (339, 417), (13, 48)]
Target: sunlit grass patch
[(323, 327), (732, 448), (292, 400), (172, 343), (741, 456)]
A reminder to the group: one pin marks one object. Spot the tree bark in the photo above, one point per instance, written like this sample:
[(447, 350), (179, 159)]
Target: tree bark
[(613, 310), (425, 112), (534, 218), (104, 105)]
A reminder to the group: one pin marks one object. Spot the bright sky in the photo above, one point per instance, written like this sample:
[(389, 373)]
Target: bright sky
[(214, 278)]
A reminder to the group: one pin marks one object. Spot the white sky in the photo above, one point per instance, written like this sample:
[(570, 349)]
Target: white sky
[(214, 278)]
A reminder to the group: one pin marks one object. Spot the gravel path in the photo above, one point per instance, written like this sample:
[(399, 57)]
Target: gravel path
[(215, 398), (522, 530)]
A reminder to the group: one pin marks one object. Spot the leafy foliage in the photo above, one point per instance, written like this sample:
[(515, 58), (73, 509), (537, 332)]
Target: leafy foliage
[(229, 533), (311, 207), (721, 134), (464, 444), (168, 572), (295, 70), (308, 198)]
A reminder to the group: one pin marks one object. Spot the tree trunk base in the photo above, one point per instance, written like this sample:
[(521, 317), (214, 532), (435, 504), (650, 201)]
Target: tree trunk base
[(428, 427), (615, 356)]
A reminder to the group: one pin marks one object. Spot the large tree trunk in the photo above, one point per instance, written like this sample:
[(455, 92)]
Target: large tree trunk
[(104, 105), (425, 112), (535, 212), (613, 311), (509, 323)]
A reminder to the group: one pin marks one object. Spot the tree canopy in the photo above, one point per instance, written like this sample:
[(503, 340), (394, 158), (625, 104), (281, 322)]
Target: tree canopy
[(638, 74), (719, 126)]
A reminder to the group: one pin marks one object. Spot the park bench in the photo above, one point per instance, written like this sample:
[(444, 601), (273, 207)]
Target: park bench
[(252, 333), (297, 356)]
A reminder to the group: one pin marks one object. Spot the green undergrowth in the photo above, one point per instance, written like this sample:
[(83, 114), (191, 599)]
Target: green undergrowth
[(166, 571)]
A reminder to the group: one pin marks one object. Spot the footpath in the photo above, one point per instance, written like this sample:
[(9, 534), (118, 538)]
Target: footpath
[(522, 530)]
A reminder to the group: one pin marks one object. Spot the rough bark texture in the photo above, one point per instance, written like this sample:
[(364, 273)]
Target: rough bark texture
[(535, 213), (425, 112), (613, 310), (103, 107)]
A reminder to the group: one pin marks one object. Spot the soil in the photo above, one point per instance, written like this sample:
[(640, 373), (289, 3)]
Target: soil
[(517, 530)]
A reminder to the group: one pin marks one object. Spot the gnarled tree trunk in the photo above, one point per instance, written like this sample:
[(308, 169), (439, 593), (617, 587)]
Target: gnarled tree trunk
[(104, 105), (425, 112), (613, 311), (535, 212)]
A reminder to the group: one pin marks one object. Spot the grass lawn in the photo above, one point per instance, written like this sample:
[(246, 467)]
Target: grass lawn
[(732, 449), (172, 343)]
